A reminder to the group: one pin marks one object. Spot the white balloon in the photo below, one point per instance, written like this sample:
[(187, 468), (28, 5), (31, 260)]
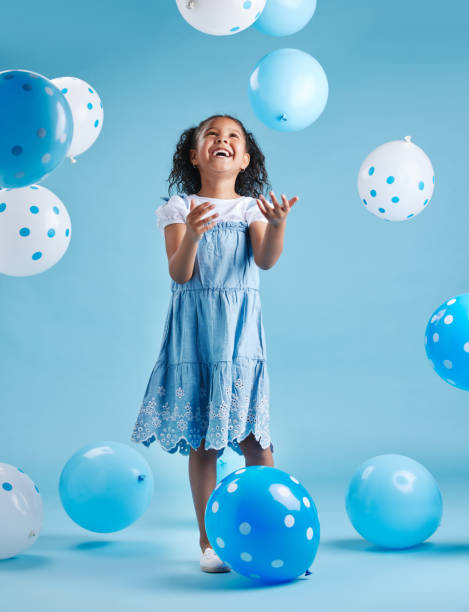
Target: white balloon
[(396, 180), (87, 113), (220, 17), (20, 511), (35, 230)]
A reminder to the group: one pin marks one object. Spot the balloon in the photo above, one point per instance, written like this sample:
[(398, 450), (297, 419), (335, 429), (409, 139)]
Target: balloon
[(87, 112), (228, 463), (447, 341), (36, 127), (105, 487), (263, 523), (284, 17), (34, 230), (220, 18), (396, 180), (288, 90), (394, 501), (20, 511)]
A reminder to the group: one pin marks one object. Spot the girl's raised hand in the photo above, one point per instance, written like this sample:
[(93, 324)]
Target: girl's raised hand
[(195, 225), (276, 214)]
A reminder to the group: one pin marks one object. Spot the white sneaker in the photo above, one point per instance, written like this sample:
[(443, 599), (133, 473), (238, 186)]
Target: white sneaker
[(211, 562)]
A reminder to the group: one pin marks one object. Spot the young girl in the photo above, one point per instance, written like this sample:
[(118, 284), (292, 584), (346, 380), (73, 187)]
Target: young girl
[(209, 388)]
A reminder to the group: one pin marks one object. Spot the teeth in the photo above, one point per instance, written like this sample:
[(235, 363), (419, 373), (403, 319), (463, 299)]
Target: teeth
[(222, 151)]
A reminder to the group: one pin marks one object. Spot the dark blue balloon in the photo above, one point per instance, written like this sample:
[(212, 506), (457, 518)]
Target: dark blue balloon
[(36, 128), (263, 523)]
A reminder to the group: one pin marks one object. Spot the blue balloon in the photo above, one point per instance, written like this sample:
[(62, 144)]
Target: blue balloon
[(288, 90), (263, 523), (284, 17), (228, 463), (394, 501), (105, 487), (447, 341), (36, 128)]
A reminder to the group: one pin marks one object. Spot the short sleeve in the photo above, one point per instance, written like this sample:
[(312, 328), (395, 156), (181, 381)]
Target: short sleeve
[(172, 211), (253, 212)]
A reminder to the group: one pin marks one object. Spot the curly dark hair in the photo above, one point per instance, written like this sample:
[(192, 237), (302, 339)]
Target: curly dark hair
[(186, 179)]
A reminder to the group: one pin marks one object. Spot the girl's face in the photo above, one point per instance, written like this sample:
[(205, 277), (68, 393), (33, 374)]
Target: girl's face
[(221, 148)]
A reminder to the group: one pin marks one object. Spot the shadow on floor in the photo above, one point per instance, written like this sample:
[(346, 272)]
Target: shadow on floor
[(425, 549)]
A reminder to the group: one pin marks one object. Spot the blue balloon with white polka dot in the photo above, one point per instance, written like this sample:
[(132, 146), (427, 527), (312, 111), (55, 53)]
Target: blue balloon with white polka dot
[(263, 524), (106, 486), (36, 127), (394, 502), (447, 341)]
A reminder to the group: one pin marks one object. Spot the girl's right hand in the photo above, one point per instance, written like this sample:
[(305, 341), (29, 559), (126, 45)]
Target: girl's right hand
[(195, 225)]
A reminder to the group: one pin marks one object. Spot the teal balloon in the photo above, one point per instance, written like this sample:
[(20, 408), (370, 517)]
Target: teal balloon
[(36, 128), (285, 17), (394, 502), (106, 486), (288, 90)]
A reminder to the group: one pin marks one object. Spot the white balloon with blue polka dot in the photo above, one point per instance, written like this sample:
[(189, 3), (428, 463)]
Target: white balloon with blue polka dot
[(35, 230), (87, 113), (396, 181), (21, 511), (220, 18)]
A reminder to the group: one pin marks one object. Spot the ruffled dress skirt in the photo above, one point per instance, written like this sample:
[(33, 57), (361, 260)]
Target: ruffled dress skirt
[(210, 381)]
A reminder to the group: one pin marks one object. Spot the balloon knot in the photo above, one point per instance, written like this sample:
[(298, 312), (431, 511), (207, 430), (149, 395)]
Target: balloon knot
[(407, 138), (141, 477), (73, 160), (283, 117), (190, 4), (308, 573)]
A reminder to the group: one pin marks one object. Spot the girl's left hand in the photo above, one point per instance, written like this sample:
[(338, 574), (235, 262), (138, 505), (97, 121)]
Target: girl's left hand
[(277, 214)]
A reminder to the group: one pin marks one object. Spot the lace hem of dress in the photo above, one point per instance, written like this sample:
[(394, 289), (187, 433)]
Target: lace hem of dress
[(183, 446)]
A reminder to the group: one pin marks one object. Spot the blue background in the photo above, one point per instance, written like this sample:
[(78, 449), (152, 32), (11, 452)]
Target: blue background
[(346, 306)]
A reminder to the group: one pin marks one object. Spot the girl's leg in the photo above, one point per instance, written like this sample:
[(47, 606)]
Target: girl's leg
[(254, 454), (203, 479)]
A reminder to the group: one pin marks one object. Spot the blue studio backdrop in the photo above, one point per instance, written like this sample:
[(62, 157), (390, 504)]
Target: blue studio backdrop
[(346, 306)]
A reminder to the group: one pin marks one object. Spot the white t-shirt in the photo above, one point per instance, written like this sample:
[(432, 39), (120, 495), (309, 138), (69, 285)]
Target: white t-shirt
[(239, 209)]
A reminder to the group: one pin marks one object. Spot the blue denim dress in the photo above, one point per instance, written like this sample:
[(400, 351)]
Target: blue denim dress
[(210, 380)]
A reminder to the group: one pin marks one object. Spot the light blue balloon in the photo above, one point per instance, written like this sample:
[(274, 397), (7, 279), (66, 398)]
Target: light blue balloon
[(288, 90), (284, 17), (394, 502), (263, 523), (36, 125), (105, 487), (447, 341), (228, 463)]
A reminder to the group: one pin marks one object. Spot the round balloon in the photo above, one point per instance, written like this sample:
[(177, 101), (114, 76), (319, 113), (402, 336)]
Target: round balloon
[(36, 126), (263, 524), (396, 180), (35, 230), (20, 511), (87, 112), (228, 463), (288, 90), (394, 502), (220, 18), (105, 487), (284, 17), (447, 341)]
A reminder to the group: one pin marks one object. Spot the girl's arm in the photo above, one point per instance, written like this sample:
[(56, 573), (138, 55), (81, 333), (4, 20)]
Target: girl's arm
[(182, 241), (267, 243)]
